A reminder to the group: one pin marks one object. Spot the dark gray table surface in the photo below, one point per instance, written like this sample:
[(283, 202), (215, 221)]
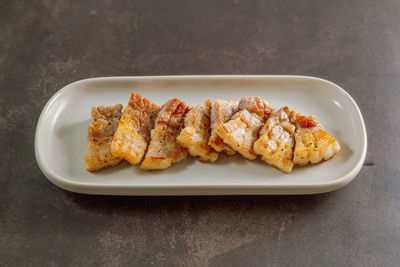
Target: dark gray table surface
[(45, 45)]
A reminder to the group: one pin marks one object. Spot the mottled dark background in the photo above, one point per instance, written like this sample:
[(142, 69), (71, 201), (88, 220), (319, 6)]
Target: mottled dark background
[(47, 44)]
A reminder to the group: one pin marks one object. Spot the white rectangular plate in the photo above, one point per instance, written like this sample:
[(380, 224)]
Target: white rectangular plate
[(60, 141)]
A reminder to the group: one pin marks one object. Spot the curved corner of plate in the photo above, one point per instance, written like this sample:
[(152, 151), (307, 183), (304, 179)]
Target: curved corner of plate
[(362, 122)]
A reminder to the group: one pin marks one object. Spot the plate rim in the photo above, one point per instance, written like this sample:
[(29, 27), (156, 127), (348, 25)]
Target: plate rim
[(79, 187)]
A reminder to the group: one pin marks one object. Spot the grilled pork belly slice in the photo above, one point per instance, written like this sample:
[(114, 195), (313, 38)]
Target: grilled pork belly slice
[(133, 133), (242, 130), (221, 112), (100, 135), (164, 149), (276, 141), (312, 143), (197, 132)]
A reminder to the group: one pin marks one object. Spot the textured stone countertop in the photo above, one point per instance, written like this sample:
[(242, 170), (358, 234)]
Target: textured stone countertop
[(45, 45)]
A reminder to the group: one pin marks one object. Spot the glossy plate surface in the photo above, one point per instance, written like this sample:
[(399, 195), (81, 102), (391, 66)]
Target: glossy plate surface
[(60, 141)]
